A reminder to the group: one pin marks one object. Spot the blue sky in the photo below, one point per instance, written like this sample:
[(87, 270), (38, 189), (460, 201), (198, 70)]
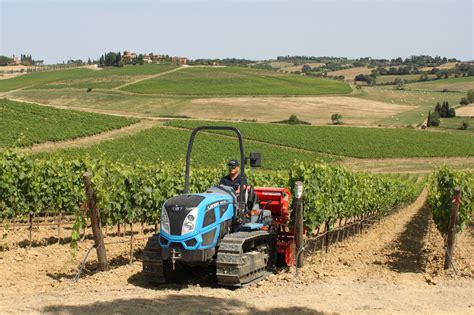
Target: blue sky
[(59, 30)]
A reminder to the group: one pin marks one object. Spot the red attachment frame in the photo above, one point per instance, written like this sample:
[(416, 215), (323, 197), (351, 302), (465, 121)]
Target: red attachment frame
[(277, 200)]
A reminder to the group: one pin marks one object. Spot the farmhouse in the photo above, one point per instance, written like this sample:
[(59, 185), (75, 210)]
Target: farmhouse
[(179, 60), (15, 61), (128, 56), (150, 58)]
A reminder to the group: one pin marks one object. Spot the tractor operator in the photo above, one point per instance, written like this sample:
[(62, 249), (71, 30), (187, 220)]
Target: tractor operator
[(234, 179)]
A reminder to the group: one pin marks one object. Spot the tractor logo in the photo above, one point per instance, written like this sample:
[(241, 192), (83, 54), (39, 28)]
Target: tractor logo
[(176, 208)]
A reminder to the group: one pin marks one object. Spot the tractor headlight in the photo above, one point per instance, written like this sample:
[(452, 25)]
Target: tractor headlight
[(165, 221), (189, 224)]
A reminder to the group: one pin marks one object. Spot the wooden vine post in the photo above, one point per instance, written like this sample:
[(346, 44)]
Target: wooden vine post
[(95, 223), (451, 237), (30, 226), (299, 225)]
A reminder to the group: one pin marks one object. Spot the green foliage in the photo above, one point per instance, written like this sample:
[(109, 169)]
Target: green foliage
[(441, 189), (36, 124), (350, 141), (293, 120), (470, 96), (5, 61), (336, 118), (400, 84), (28, 186), (236, 81), (433, 119), (332, 193), (370, 79), (464, 101), (444, 111), (170, 144), (136, 193), (464, 125)]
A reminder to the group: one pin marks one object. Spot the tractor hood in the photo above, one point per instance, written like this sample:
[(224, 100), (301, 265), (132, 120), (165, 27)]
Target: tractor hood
[(191, 209)]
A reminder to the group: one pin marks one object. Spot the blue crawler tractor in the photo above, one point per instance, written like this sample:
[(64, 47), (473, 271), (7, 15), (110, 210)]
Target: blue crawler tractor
[(214, 227)]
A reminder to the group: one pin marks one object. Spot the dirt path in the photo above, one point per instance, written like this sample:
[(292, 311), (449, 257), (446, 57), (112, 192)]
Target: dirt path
[(147, 78), (379, 271), (94, 139)]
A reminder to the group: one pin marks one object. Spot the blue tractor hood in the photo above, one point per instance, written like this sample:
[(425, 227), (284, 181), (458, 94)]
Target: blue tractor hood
[(196, 219)]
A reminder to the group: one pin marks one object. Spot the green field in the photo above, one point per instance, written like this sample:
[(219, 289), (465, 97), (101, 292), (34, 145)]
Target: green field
[(422, 102), (236, 81), (452, 85), (354, 142), (170, 145), (107, 78), (454, 123), (31, 79), (36, 124)]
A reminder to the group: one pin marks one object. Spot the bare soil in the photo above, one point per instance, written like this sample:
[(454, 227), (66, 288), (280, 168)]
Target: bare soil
[(465, 111), (406, 165), (351, 73), (390, 268), (445, 66)]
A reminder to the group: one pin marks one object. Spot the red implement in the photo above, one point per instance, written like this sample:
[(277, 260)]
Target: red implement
[(277, 200)]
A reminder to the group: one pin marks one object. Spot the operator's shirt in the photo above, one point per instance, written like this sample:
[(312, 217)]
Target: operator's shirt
[(236, 183)]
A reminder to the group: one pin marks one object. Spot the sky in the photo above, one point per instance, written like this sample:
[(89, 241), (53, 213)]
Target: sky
[(56, 31)]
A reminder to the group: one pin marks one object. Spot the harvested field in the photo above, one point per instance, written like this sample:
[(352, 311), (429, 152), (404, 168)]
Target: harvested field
[(317, 110), (406, 165), (351, 73), (445, 66), (465, 111)]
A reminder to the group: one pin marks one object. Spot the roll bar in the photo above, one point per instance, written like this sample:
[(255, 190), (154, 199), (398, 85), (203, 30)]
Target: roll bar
[(190, 148)]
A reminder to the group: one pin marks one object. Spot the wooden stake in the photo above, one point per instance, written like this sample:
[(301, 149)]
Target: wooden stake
[(95, 223), (31, 226), (59, 227), (451, 237), (131, 244), (299, 225)]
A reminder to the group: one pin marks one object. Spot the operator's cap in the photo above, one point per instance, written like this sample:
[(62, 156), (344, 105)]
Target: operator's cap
[(233, 163)]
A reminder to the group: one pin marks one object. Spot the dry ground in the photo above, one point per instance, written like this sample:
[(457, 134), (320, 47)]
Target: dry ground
[(387, 269), (317, 110), (445, 66), (406, 165), (351, 73), (465, 111)]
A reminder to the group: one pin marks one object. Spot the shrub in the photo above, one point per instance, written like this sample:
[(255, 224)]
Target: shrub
[(336, 118), (433, 119), (444, 110), (293, 120), (470, 96), (464, 125), (464, 101)]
